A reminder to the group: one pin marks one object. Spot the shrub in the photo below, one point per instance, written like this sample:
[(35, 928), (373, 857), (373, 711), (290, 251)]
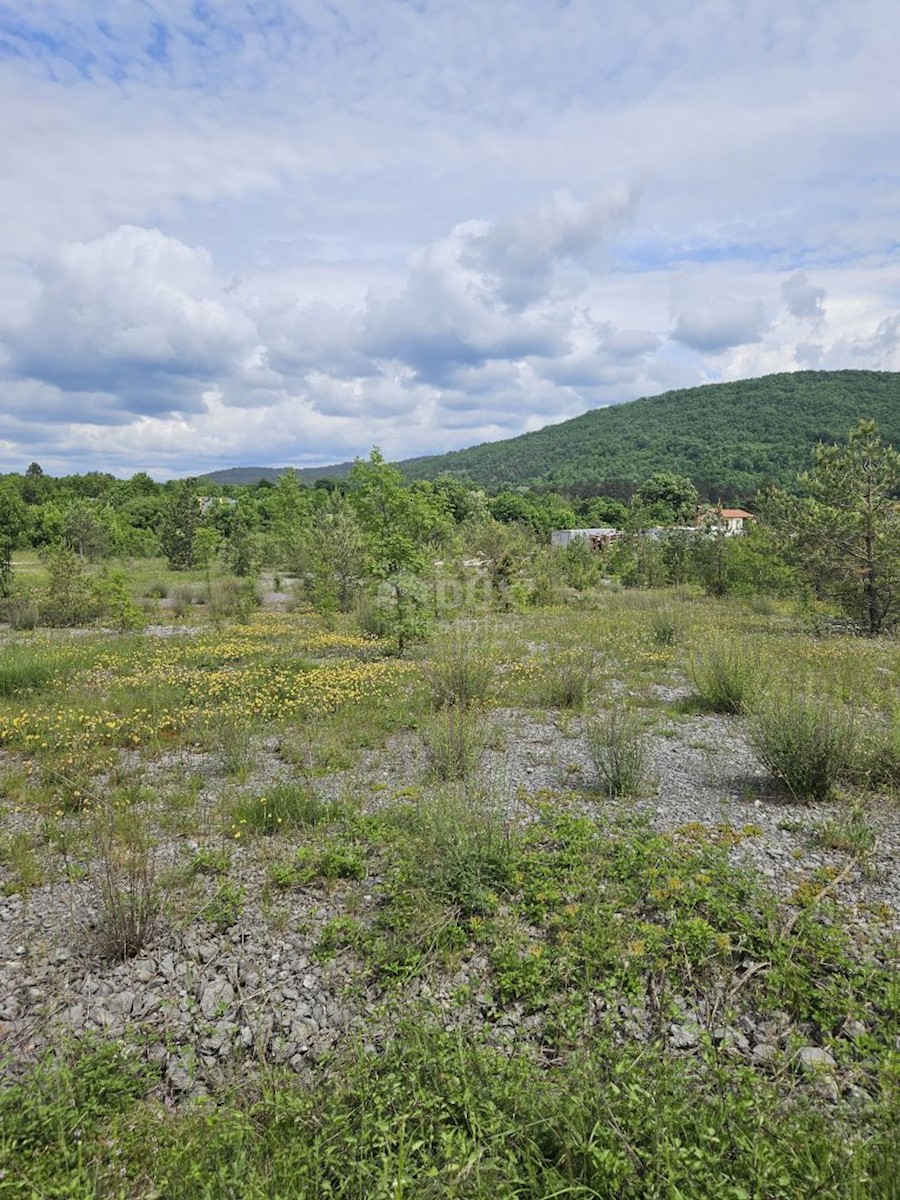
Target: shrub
[(461, 669), (727, 677), (285, 805), (21, 610), (128, 903), (806, 742), (234, 598), (569, 678), (665, 628), (619, 751), (454, 743)]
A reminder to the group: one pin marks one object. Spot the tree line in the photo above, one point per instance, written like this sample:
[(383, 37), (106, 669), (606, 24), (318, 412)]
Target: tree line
[(376, 539)]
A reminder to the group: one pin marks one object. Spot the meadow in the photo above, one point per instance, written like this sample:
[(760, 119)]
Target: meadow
[(594, 899)]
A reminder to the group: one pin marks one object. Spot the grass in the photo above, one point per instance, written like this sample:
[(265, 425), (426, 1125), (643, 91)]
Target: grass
[(513, 961), (618, 748), (807, 742)]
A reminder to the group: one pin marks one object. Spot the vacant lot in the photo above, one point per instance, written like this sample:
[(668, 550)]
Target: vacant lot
[(588, 901)]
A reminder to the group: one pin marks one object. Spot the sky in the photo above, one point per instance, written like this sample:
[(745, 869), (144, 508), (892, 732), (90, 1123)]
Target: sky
[(280, 232)]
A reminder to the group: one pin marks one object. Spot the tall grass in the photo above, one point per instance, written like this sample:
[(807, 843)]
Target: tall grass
[(806, 742), (461, 668), (727, 676), (619, 750)]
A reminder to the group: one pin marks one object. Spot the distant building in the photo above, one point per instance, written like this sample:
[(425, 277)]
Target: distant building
[(597, 539), (726, 520)]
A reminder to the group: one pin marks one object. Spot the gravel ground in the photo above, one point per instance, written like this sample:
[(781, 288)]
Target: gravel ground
[(205, 997)]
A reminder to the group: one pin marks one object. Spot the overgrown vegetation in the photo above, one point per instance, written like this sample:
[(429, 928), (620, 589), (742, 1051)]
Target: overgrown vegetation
[(549, 992)]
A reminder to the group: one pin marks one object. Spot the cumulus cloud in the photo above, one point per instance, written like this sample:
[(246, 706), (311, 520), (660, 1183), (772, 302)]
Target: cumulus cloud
[(804, 300), (714, 322), (133, 314)]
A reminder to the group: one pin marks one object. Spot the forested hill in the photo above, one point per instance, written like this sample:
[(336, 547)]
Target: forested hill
[(729, 438)]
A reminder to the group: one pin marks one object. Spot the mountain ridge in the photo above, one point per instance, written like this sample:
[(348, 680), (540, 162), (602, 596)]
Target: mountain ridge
[(730, 438)]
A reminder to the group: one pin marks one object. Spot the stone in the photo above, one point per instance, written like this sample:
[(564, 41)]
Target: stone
[(216, 996), (764, 1054), (814, 1059), (684, 1037)]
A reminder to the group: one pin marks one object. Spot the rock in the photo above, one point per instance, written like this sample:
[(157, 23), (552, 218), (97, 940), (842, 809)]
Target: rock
[(215, 997), (179, 1076), (684, 1037), (814, 1059), (121, 1003), (764, 1054), (854, 1030)]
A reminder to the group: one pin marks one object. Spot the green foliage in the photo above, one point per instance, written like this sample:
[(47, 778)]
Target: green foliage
[(731, 439), (807, 742), (69, 598), (114, 602), (461, 667), (665, 499), (181, 521), (619, 751), (225, 906), (727, 676), (847, 537)]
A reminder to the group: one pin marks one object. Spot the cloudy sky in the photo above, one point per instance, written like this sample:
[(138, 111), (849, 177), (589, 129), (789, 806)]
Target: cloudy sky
[(281, 231)]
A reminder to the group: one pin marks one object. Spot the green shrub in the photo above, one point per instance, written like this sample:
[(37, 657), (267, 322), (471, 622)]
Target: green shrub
[(454, 743), (619, 751), (568, 678), (807, 742), (727, 677), (462, 667)]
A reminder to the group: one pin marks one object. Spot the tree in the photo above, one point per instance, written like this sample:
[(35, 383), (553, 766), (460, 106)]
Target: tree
[(846, 534), (400, 525), (13, 523), (666, 499), (180, 523)]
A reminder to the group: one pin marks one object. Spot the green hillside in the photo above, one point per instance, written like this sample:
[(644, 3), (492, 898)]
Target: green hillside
[(730, 438)]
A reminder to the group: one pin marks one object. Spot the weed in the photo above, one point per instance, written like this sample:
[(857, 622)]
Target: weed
[(207, 861), (665, 627), (619, 751), (225, 906), (284, 806), (462, 668), (850, 833), (805, 741), (128, 903), (727, 677), (454, 742), (568, 678)]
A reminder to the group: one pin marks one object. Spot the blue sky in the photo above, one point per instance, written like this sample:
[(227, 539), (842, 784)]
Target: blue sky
[(281, 232)]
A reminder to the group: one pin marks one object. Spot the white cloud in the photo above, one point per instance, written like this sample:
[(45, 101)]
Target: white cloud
[(250, 231)]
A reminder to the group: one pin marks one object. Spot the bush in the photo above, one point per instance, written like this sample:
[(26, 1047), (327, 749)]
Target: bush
[(461, 669), (454, 743), (806, 742), (128, 905), (21, 610), (234, 598), (569, 678), (727, 677), (619, 751)]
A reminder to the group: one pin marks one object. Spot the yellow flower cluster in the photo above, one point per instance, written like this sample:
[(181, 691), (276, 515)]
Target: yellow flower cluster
[(269, 669)]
